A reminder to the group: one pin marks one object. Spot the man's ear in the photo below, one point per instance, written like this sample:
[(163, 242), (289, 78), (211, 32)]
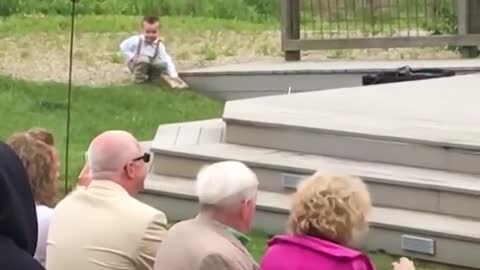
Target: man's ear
[(129, 170), (245, 206), (248, 202)]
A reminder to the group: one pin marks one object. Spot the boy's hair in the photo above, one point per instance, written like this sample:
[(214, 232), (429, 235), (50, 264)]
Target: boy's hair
[(150, 19)]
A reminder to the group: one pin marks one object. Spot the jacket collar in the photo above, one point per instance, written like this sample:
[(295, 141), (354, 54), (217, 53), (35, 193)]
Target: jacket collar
[(238, 235), (235, 237), (106, 186)]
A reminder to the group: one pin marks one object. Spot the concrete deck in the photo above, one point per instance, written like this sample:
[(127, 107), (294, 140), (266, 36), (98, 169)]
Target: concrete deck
[(280, 171), (190, 133), (454, 240), (247, 80), (393, 218), (416, 145), (281, 67), (441, 111), (308, 164)]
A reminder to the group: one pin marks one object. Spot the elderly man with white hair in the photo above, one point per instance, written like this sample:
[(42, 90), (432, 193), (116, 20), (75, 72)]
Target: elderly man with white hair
[(214, 240), (102, 226)]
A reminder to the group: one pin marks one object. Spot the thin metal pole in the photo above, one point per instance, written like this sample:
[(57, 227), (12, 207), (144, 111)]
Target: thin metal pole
[(408, 17), (329, 13), (390, 16), (417, 19), (69, 99), (320, 12), (346, 18)]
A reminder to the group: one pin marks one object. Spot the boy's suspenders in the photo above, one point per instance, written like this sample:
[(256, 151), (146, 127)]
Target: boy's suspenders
[(157, 43), (140, 44)]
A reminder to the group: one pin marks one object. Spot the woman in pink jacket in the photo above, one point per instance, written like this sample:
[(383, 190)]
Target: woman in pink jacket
[(329, 212)]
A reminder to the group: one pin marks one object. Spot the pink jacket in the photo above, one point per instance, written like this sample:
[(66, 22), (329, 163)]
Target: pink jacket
[(289, 252)]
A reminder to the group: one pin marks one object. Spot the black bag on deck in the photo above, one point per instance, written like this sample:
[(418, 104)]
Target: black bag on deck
[(405, 74)]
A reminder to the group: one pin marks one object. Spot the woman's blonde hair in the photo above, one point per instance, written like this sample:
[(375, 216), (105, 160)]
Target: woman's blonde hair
[(332, 207), (37, 158)]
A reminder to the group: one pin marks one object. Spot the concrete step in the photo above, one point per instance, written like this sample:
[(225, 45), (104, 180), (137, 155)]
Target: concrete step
[(280, 171), (431, 123), (423, 235)]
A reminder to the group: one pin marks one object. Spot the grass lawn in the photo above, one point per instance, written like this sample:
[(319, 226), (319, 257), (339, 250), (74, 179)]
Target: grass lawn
[(20, 25), (192, 42), (137, 109)]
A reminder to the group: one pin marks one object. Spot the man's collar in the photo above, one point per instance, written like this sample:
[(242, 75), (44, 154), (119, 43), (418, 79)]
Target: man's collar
[(238, 235), (106, 185), (242, 238)]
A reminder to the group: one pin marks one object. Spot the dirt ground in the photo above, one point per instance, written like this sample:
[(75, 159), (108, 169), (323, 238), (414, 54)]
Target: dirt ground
[(43, 57)]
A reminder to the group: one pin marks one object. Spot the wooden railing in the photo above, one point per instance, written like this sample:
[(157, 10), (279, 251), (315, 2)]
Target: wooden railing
[(361, 24)]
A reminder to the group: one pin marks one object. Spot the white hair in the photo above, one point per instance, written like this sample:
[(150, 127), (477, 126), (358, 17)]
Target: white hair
[(226, 183)]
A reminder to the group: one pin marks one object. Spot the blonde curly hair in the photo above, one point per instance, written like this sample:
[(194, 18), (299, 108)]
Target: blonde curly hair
[(37, 158), (332, 207)]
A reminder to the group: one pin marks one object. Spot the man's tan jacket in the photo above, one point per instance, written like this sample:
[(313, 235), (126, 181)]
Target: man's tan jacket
[(102, 227), (202, 244)]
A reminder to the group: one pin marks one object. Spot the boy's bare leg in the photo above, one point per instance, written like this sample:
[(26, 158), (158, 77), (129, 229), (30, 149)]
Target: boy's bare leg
[(141, 67)]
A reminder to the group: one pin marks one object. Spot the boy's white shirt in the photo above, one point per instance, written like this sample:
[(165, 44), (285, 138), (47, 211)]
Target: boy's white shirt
[(129, 49)]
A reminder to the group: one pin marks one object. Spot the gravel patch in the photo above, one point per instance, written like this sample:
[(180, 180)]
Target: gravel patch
[(44, 57)]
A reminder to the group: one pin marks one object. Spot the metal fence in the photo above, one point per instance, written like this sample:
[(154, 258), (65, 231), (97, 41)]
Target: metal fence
[(353, 18), (348, 24)]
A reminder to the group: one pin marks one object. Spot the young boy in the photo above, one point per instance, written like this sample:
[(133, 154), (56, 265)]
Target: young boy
[(147, 57)]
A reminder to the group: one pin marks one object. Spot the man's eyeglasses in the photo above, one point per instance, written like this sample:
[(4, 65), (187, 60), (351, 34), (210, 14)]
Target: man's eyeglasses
[(145, 158)]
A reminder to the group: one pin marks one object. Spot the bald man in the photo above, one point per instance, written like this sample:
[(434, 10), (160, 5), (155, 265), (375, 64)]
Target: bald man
[(103, 226)]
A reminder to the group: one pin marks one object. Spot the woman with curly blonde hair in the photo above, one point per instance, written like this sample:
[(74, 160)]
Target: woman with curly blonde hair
[(40, 160), (329, 212)]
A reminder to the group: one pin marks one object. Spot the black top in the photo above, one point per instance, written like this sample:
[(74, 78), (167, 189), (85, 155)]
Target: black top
[(18, 218)]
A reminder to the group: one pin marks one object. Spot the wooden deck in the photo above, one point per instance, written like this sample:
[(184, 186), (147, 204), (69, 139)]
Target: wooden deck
[(282, 67), (442, 111)]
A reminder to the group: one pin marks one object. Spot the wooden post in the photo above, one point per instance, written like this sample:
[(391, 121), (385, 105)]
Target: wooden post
[(473, 13), (462, 17), (468, 23), (290, 23)]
